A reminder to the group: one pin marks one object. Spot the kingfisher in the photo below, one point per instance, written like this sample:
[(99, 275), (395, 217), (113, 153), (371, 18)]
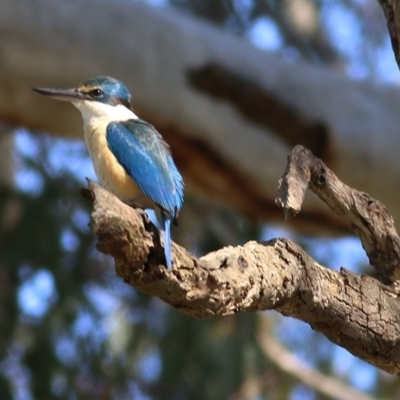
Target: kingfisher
[(129, 155)]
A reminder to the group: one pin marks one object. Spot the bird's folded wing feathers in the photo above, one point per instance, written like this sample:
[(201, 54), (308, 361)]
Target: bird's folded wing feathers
[(140, 149)]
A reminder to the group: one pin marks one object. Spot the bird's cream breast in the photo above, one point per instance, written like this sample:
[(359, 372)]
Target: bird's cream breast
[(109, 171)]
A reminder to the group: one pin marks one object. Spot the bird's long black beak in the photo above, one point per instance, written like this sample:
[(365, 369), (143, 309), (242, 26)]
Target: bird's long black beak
[(62, 94)]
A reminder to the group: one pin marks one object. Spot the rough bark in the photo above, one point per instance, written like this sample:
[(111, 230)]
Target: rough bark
[(368, 218), (357, 312)]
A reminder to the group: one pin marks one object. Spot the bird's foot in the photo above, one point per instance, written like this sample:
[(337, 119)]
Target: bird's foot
[(134, 203)]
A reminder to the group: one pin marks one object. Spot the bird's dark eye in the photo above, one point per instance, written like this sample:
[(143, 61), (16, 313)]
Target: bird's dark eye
[(96, 93)]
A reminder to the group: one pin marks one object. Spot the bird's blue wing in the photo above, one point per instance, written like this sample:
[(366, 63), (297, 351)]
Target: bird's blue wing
[(146, 158)]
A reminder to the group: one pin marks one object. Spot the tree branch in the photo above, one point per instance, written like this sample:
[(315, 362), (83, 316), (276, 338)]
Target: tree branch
[(263, 107), (368, 217), (321, 383), (356, 312)]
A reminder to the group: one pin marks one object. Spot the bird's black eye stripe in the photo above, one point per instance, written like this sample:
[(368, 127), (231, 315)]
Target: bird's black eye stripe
[(96, 93)]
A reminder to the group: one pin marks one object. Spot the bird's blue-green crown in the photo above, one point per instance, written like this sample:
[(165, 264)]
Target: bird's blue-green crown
[(107, 90)]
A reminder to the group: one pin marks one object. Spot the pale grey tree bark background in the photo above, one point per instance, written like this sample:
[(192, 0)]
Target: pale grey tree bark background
[(152, 50)]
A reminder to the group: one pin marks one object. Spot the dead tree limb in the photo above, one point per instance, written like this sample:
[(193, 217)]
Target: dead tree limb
[(357, 312), (368, 218)]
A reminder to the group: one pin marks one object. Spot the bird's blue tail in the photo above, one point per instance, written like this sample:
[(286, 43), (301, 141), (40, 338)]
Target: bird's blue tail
[(166, 228)]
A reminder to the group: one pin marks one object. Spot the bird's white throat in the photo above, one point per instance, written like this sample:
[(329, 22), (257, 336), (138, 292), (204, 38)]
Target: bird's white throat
[(94, 110)]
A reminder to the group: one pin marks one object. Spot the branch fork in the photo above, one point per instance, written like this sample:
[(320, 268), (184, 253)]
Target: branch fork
[(357, 312)]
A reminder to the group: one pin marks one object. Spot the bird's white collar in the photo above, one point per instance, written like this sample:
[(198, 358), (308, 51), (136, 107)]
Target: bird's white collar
[(94, 110)]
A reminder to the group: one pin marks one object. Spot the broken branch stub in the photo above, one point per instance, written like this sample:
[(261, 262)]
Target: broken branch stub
[(367, 217)]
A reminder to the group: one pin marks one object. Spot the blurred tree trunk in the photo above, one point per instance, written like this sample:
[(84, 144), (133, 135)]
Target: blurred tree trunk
[(219, 146)]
